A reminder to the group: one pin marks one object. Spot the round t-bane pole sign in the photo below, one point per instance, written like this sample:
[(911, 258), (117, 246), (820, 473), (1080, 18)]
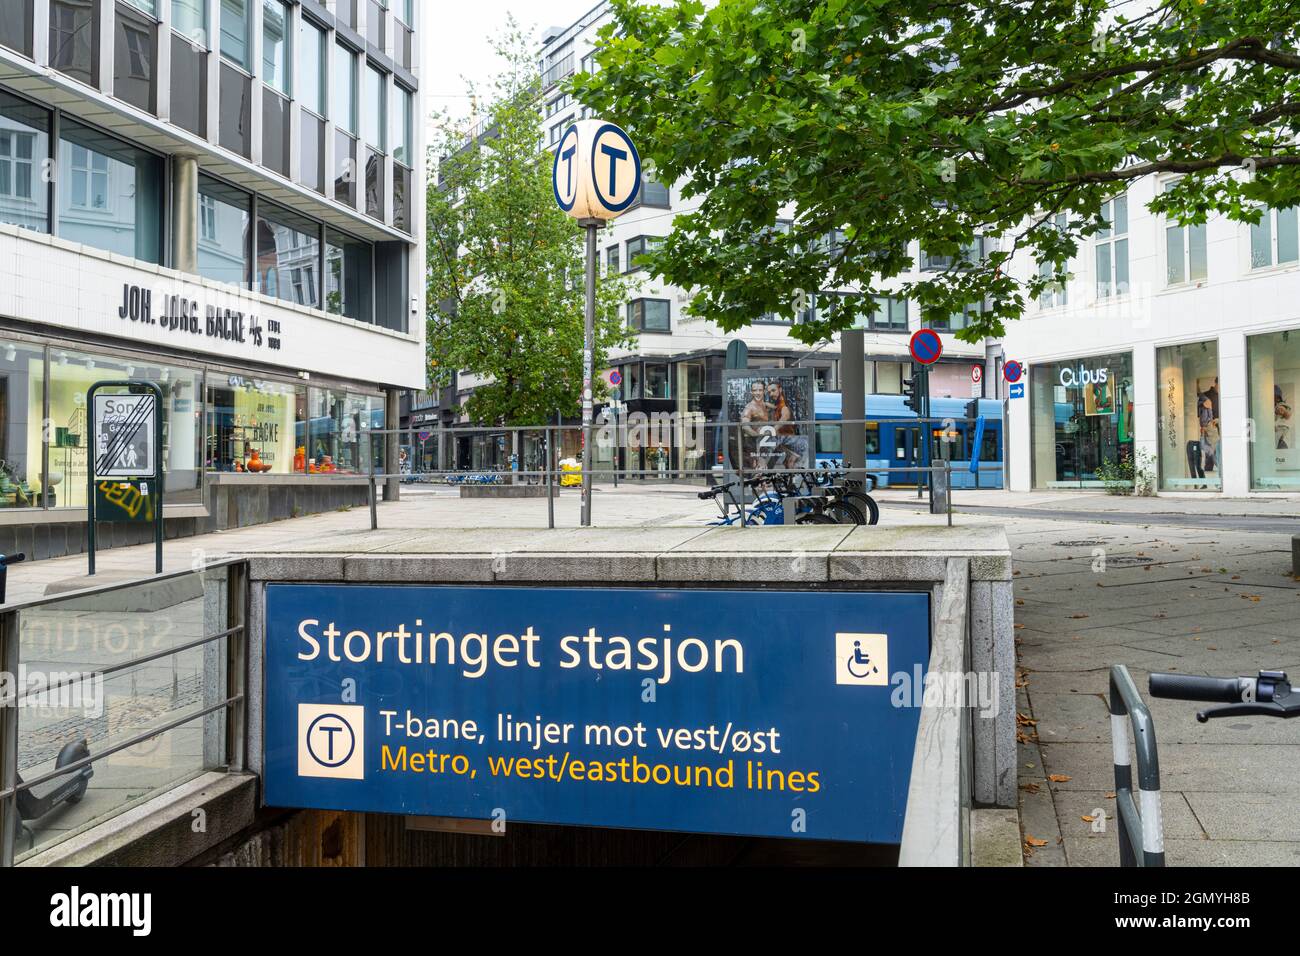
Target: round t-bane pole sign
[(597, 172), (597, 176)]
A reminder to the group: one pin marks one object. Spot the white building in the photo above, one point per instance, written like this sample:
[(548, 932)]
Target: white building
[(222, 197), (676, 365), (1177, 346)]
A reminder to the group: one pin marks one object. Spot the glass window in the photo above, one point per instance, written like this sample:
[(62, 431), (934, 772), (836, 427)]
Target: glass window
[(1112, 249), (235, 30), (110, 193), (654, 194), (1187, 413), (74, 38), (638, 247), (348, 268), (374, 185), (649, 315), (22, 408), (1081, 415), (236, 117), (611, 260), (375, 111), (403, 131), (190, 20), (890, 315), (345, 168), (1275, 240), (311, 67), (275, 132), (336, 421), (344, 103), (16, 25), (24, 147), (657, 381), (288, 256), (1274, 367), (402, 197), (253, 425), (375, 24), (72, 374), (275, 45), (1054, 294), (1185, 256), (189, 85), (311, 155), (135, 45), (223, 233), (145, 6)]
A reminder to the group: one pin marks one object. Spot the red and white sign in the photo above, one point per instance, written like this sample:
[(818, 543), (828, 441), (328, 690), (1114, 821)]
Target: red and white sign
[(977, 373)]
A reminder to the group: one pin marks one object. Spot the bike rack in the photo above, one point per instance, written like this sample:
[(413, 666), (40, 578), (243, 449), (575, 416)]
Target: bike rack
[(1141, 825)]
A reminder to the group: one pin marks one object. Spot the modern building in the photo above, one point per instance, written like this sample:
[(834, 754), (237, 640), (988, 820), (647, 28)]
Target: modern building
[(676, 364), (224, 197), (1174, 348)]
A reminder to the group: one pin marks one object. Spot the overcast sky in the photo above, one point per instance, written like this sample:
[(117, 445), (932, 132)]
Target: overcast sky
[(457, 42)]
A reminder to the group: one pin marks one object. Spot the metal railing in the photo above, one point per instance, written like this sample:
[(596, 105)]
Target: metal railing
[(652, 450), (140, 685), (1141, 826)]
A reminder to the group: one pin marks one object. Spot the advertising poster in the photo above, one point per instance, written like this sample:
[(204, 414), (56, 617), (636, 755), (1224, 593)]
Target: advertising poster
[(765, 403)]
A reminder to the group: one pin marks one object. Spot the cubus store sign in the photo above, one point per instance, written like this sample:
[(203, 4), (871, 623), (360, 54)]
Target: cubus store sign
[(184, 316)]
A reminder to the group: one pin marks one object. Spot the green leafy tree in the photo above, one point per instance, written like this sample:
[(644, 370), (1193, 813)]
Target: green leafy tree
[(940, 122), (506, 268)]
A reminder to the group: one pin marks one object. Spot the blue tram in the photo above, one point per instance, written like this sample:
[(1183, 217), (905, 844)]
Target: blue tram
[(894, 439)]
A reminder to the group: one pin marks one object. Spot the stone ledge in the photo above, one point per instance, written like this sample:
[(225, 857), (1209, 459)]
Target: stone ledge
[(160, 831)]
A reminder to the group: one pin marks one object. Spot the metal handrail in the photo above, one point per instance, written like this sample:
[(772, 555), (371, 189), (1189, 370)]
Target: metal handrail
[(1141, 823)]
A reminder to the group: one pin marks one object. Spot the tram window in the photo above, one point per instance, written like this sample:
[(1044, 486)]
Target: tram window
[(828, 440), (991, 447), (953, 448), (873, 439)]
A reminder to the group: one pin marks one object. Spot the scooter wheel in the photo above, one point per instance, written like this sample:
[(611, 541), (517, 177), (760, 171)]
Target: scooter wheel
[(71, 753)]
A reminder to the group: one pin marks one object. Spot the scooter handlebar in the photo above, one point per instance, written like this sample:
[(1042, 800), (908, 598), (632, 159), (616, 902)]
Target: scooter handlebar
[(1228, 690)]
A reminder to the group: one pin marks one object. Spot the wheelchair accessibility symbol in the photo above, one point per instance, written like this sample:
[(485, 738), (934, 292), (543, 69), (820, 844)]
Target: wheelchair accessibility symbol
[(331, 741), (862, 659)]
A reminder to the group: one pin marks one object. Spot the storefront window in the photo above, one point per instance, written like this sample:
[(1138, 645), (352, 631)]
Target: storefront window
[(252, 426), (110, 193), (22, 398), (71, 376), (335, 430), (24, 147), (1187, 409), (1082, 415), (223, 232), (1274, 362)]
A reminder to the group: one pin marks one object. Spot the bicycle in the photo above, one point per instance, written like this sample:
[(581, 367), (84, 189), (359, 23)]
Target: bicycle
[(1141, 834), (767, 508)]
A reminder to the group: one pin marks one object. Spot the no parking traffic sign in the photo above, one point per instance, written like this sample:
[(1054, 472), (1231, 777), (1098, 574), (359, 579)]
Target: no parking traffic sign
[(925, 347)]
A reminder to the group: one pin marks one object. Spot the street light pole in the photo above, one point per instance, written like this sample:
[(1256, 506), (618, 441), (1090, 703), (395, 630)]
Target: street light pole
[(588, 348)]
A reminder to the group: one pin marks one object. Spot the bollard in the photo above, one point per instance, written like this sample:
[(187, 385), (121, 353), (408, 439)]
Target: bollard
[(1295, 556)]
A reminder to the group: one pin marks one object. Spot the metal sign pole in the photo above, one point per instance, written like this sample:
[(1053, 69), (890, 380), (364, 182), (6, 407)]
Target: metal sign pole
[(588, 347)]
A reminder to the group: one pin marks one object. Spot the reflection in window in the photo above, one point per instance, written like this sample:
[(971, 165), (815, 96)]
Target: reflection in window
[(374, 185), (347, 276), (133, 61), (22, 398), (288, 256), (275, 45), (24, 145), (373, 116), (649, 315), (234, 31), (403, 137), (190, 19), (16, 25), (344, 101), (189, 85), (235, 120), (114, 193), (223, 232), (311, 67), (253, 425), (74, 38)]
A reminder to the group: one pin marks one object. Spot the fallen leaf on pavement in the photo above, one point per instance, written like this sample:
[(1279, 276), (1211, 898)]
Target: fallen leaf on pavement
[(1058, 777), (1032, 841)]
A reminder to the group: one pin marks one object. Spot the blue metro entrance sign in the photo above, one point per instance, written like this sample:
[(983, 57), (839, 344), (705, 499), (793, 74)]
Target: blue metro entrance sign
[(767, 713)]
